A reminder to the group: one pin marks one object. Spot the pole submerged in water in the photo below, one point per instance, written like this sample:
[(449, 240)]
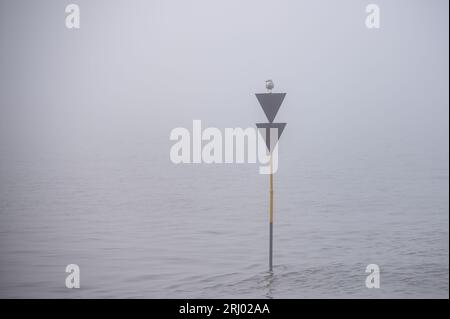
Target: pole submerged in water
[(270, 103)]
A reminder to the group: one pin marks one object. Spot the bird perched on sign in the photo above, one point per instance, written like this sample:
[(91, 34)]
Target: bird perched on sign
[(269, 85)]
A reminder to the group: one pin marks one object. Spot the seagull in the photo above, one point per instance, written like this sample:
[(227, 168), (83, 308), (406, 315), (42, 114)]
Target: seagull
[(269, 85)]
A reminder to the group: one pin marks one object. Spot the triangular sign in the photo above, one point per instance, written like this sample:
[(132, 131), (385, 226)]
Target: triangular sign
[(270, 103), (265, 128)]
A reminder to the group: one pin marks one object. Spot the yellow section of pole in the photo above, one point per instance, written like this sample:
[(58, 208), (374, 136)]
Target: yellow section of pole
[(271, 193), (270, 214)]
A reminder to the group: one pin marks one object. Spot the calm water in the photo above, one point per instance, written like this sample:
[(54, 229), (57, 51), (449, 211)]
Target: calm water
[(139, 226)]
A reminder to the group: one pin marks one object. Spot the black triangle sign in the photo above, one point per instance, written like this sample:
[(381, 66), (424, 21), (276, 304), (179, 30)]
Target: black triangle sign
[(264, 129), (270, 103)]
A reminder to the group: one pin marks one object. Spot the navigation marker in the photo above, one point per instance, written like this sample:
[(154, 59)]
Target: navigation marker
[(271, 133), (265, 129), (270, 103)]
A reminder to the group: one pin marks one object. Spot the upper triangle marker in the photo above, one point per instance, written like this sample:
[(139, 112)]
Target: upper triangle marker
[(270, 103)]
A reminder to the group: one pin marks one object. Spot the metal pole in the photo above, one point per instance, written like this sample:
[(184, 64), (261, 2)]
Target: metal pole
[(270, 215)]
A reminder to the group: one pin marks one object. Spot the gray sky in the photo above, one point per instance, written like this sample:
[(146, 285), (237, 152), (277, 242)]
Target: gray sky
[(137, 69)]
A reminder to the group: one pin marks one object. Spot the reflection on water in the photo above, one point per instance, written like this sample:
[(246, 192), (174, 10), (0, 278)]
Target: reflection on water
[(268, 280)]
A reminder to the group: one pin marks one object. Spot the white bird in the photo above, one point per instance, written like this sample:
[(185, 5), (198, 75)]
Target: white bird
[(269, 85)]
